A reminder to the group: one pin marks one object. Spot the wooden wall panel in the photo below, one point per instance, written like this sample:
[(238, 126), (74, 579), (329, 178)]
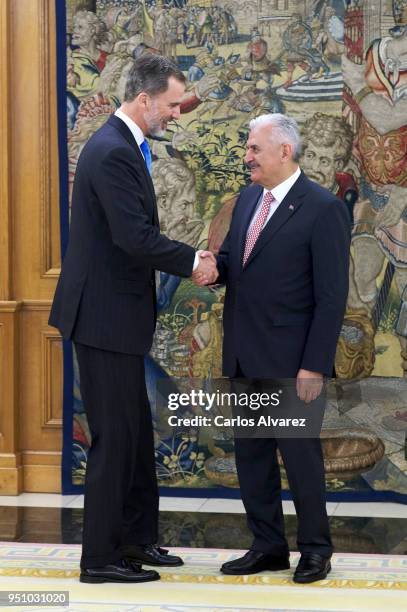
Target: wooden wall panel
[(11, 473), (49, 202), (5, 180), (35, 158), (30, 351), (37, 370), (51, 379), (40, 399)]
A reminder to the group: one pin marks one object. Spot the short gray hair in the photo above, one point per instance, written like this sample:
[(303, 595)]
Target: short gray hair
[(285, 129)]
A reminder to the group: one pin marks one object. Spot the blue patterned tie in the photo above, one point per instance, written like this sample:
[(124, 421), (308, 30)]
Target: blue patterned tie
[(145, 149)]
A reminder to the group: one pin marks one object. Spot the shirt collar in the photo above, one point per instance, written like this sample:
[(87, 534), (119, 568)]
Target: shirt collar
[(280, 191), (133, 127)]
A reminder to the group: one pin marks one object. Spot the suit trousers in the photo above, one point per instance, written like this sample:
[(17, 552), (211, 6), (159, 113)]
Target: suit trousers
[(260, 486), (121, 494)]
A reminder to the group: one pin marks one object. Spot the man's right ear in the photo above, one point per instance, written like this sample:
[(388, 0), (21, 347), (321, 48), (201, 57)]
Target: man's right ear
[(143, 99)]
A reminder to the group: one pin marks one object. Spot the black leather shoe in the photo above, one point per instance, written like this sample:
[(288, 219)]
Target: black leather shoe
[(312, 567), (150, 554), (255, 561), (121, 571)]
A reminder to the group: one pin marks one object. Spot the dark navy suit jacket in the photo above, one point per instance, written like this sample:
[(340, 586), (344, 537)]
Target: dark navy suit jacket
[(283, 310), (106, 292)]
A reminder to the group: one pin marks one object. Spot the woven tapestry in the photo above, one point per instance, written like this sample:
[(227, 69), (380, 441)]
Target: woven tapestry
[(340, 69)]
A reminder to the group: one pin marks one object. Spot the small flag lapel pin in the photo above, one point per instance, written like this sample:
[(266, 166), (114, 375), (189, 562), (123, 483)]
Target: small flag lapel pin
[(291, 207)]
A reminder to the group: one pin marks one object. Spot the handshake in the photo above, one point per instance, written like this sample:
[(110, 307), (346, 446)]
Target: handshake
[(206, 272)]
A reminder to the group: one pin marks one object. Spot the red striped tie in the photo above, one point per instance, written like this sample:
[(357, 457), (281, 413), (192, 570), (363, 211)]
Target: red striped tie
[(254, 231)]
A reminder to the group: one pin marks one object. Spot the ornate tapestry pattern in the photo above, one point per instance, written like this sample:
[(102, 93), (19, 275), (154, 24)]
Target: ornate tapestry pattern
[(340, 69)]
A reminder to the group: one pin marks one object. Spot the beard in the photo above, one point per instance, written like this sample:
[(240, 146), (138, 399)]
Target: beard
[(154, 124), (156, 130)]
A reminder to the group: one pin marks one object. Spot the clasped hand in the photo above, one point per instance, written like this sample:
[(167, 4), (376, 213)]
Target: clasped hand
[(206, 272)]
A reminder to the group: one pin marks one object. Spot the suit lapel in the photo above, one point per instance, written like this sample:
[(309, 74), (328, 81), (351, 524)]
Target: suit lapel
[(286, 209), (126, 133)]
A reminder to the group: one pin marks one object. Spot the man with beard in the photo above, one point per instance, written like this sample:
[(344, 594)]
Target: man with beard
[(106, 303), (285, 266)]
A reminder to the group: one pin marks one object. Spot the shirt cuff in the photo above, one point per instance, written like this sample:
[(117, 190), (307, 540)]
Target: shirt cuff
[(196, 262)]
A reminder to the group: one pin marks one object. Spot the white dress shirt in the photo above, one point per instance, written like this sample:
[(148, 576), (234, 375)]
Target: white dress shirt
[(279, 192), (133, 127), (139, 138)]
